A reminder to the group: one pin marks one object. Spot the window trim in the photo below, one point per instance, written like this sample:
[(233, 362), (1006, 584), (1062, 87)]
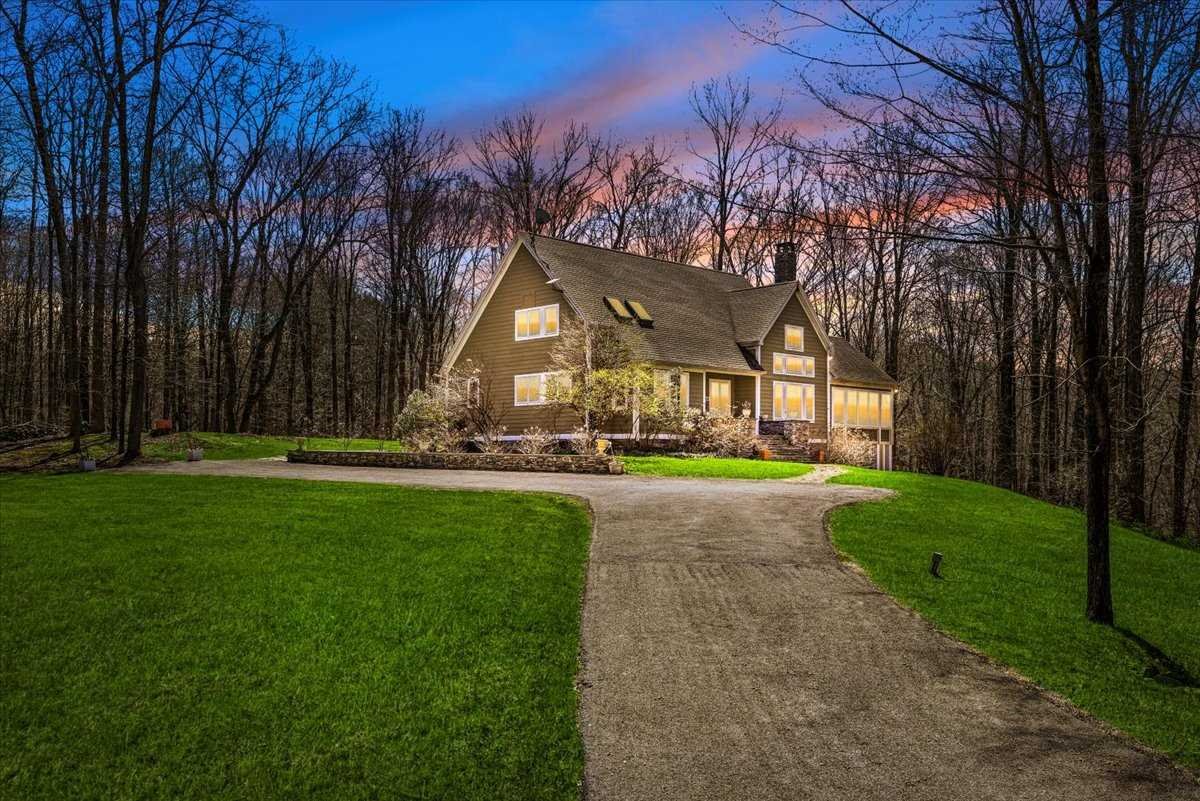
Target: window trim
[(785, 356), (846, 392), (543, 378), (708, 394), (787, 327), (541, 323), (812, 390)]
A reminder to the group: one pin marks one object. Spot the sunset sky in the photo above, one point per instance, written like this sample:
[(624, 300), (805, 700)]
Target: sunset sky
[(624, 67)]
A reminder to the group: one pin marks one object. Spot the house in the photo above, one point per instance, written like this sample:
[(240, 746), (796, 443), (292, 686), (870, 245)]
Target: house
[(735, 346)]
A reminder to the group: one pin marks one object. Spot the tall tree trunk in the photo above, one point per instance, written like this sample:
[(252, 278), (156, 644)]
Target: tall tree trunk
[(1187, 390), (97, 390), (1094, 348), (58, 224), (30, 405), (331, 299), (1036, 386), (1133, 501), (1006, 399)]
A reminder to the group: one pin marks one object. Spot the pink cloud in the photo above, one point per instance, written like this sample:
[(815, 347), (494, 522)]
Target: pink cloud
[(627, 82)]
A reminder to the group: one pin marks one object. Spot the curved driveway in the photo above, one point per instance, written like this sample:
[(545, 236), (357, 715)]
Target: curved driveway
[(728, 655)]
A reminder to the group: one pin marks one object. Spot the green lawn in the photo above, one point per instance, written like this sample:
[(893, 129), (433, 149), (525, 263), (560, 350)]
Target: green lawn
[(1013, 587), (250, 446), (711, 467), (217, 638)]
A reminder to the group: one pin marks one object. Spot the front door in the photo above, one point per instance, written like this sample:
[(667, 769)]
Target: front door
[(720, 395)]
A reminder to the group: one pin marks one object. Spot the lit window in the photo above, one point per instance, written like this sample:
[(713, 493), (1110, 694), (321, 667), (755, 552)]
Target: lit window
[(786, 364), (662, 383), (794, 401), (793, 337), (537, 322), (720, 396), (862, 408), (643, 317), (530, 389), (617, 307), (668, 383)]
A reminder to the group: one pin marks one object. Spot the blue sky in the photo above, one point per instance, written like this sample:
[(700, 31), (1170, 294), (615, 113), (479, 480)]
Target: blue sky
[(624, 67)]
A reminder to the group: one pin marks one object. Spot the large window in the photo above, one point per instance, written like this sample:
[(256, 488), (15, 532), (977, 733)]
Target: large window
[(793, 337), (668, 383), (794, 401), (862, 408), (787, 364), (530, 389), (537, 322), (720, 396)]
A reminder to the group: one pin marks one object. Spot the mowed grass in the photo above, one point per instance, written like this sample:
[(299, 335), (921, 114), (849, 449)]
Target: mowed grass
[(1014, 587), (711, 467), (221, 638), (218, 446)]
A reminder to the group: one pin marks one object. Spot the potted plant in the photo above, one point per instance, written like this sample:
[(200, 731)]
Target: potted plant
[(195, 451)]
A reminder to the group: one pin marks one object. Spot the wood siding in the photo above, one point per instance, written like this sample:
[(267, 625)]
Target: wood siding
[(494, 348), (794, 314)]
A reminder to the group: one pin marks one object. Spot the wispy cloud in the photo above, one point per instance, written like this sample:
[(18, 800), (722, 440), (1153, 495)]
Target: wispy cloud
[(653, 74)]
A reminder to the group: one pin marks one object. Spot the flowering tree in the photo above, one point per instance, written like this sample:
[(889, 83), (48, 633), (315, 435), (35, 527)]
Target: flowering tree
[(599, 376)]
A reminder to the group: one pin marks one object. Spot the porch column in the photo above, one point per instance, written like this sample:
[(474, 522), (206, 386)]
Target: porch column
[(757, 400)]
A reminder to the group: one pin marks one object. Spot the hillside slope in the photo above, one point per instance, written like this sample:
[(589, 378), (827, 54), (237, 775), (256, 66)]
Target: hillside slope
[(1013, 587)]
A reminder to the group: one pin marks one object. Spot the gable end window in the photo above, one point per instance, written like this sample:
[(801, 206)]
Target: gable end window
[(786, 364), (793, 338), (530, 389), (537, 322)]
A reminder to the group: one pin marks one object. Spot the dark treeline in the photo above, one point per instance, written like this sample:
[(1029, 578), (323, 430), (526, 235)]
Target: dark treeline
[(202, 222)]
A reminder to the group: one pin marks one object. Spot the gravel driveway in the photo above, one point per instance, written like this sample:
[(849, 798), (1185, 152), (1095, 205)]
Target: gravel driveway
[(728, 655)]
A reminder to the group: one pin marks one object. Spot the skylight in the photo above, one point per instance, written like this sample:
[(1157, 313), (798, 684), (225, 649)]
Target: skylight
[(617, 307), (643, 317)]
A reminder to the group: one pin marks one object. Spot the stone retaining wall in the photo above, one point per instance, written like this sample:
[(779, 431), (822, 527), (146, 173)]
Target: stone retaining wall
[(538, 462)]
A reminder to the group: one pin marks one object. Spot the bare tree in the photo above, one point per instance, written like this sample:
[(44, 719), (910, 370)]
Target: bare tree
[(734, 157), (519, 175)]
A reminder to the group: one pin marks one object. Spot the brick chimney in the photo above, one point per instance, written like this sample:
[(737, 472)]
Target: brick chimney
[(785, 262)]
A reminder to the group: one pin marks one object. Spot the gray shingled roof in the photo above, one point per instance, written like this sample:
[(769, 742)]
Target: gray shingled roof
[(700, 315), (692, 322), (850, 365), (755, 309)]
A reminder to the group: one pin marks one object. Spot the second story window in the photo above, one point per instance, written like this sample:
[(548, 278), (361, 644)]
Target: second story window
[(537, 322), (786, 364), (793, 337)]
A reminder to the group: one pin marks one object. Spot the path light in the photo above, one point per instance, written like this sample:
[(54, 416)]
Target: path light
[(935, 567)]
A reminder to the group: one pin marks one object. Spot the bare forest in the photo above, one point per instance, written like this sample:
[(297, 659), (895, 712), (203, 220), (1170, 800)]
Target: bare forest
[(200, 220)]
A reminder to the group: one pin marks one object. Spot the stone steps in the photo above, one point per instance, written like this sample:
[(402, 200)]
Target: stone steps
[(783, 451)]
